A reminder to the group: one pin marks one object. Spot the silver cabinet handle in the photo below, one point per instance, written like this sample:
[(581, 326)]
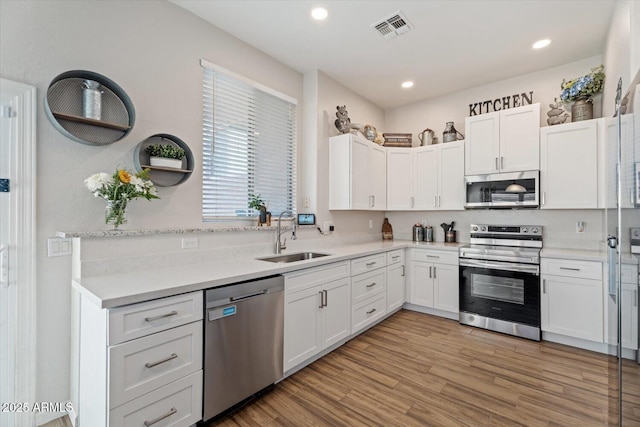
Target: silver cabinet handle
[(433, 256), (501, 162), (412, 202), (160, 418), (439, 201), (402, 271), (321, 299), (160, 362), (369, 264), (430, 272), (497, 168), (544, 193), (371, 285), (326, 298), (373, 310), (395, 257), (434, 272), (162, 316), (544, 286), (569, 268)]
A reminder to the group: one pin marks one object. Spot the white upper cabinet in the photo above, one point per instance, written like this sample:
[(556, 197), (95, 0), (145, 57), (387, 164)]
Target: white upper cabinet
[(570, 166), (626, 165), (503, 141), (357, 174), (426, 178)]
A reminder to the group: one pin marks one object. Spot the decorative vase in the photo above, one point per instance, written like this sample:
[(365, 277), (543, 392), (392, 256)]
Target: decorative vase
[(91, 100), (116, 213), (582, 109)]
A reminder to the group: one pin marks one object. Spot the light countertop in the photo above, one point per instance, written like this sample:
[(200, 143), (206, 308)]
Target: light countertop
[(115, 290), (584, 255)]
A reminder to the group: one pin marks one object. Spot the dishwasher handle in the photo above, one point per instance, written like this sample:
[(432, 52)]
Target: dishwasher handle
[(243, 297)]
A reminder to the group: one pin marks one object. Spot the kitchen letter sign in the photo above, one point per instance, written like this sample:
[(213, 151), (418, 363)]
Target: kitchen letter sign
[(500, 103)]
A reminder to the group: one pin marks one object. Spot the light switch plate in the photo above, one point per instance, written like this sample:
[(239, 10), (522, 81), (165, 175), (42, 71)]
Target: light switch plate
[(580, 227), (58, 246), (189, 242)]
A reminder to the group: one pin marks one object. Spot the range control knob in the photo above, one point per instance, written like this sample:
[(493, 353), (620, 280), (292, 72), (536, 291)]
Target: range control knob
[(474, 228), (525, 230), (483, 228), (534, 230)]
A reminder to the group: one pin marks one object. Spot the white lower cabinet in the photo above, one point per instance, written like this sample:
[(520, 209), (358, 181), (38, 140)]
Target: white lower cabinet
[(141, 364), (434, 279), (572, 299), (629, 301), (395, 280), (368, 292), (317, 313)]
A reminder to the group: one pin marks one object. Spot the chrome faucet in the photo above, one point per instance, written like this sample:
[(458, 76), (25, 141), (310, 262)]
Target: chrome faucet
[(279, 246)]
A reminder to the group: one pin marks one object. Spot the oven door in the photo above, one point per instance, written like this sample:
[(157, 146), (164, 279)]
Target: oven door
[(501, 290)]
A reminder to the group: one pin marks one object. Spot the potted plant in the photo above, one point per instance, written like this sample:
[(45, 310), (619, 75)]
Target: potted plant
[(256, 202), (165, 155)]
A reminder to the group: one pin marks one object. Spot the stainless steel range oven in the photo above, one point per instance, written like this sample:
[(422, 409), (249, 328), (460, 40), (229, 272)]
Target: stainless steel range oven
[(500, 279)]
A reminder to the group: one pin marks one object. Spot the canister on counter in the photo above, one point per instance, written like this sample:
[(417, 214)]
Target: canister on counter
[(428, 233), (418, 233)]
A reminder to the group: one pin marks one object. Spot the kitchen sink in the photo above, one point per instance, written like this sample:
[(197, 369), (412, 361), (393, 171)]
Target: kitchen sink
[(300, 256)]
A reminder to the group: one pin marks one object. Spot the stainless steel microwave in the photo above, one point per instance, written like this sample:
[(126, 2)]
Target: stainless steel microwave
[(503, 190)]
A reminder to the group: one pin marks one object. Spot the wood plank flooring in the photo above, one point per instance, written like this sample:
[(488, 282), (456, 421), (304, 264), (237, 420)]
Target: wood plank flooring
[(419, 370)]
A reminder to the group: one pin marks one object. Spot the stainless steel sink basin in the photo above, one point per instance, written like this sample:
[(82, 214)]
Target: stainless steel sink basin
[(300, 256)]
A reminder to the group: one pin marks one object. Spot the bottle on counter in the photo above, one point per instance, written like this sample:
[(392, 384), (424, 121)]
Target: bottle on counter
[(387, 230)]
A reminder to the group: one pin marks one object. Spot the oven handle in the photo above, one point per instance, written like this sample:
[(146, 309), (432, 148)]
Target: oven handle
[(520, 268)]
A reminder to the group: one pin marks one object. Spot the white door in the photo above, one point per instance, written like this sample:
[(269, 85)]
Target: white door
[(399, 179), (445, 288), (302, 328), (378, 177), (482, 144), (17, 216), (7, 293), (395, 287), (426, 178), (520, 139), (451, 177), (360, 195), (336, 314), (422, 284)]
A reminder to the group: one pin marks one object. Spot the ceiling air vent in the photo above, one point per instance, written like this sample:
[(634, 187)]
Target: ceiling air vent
[(392, 26)]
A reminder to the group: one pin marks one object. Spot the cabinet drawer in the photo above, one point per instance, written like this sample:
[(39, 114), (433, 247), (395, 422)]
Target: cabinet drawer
[(572, 268), (137, 320), (299, 280), (442, 257), (145, 364), (630, 274), (177, 404), (395, 256), (367, 285), (368, 263), (368, 312)]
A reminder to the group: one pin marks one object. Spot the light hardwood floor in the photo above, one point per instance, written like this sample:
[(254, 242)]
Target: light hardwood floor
[(419, 370)]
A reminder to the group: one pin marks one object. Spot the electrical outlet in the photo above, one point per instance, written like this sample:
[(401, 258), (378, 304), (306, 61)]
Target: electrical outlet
[(307, 202), (58, 246), (327, 225), (370, 223), (189, 242), (580, 227)]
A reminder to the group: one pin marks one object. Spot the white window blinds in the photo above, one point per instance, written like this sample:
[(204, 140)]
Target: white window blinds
[(249, 147)]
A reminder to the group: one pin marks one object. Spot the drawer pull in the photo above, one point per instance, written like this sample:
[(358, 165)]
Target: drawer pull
[(160, 418), (403, 271), (569, 268), (159, 362), (433, 256), (434, 272), (395, 257), (431, 272), (162, 316), (371, 285), (369, 264), (373, 310), (544, 286), (321, 299)]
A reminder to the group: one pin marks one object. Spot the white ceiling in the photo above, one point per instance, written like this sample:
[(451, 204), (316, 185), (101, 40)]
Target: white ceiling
[(454, 44)]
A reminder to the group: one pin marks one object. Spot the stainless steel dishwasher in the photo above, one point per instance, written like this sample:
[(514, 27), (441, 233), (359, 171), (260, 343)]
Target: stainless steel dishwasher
[(243, 342)]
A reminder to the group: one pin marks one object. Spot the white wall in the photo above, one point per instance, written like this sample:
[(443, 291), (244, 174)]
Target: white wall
[(152, 50), (434, 113), (618, 54), (330, 95)]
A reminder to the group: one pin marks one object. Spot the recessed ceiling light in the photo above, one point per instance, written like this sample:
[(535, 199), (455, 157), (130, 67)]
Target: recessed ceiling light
[(319, 13), (407, 84), (541, 43)]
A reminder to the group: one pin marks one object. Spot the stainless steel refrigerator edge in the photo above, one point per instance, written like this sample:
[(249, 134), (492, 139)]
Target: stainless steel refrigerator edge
[(243, 342)]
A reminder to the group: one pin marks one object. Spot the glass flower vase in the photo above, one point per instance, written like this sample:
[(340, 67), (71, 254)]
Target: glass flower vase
[(115, 213)]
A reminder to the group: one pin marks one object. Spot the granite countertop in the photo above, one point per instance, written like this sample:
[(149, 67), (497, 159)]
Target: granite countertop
[(115, 290), (584, 255)]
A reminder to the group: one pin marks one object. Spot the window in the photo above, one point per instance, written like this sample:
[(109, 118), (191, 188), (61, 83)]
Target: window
[(249, 146)]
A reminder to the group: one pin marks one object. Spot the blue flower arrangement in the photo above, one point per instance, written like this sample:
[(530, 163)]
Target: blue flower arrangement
[(585, 86)]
